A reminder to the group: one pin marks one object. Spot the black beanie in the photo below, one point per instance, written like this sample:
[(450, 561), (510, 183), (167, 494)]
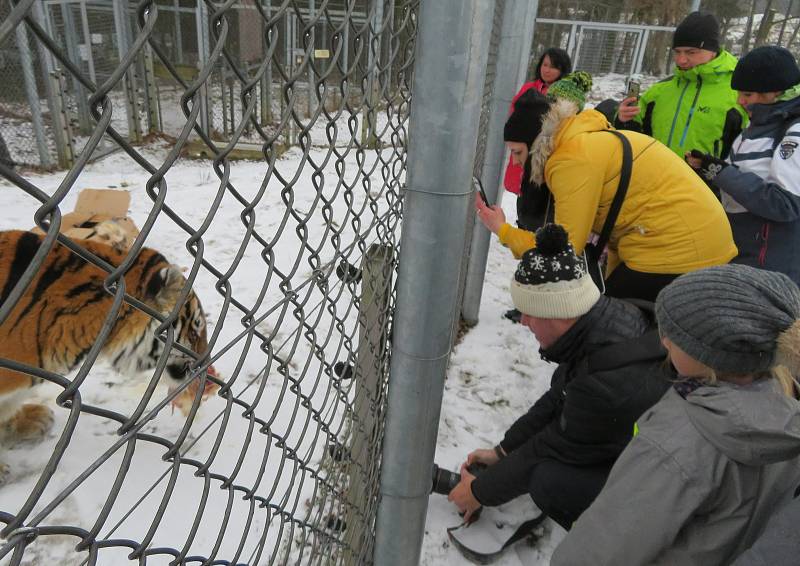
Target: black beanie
[(766, 69), (525, 121), (698, 29)]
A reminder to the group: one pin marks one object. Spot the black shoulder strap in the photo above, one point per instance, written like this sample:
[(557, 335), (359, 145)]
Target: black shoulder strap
[(622, 189)]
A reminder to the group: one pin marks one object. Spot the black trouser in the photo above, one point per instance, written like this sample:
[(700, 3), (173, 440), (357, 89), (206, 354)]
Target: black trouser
[(625, 283), (563, 491)]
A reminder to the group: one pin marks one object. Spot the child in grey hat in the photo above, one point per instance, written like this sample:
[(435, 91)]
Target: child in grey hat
[(720, 452)]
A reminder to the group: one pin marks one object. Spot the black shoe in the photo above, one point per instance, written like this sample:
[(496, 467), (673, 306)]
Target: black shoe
[(513, 315)]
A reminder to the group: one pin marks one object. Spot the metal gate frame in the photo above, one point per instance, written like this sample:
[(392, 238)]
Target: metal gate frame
[(578, 27)]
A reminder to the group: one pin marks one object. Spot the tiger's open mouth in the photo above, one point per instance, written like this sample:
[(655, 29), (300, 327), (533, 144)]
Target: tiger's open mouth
[(186, 398)]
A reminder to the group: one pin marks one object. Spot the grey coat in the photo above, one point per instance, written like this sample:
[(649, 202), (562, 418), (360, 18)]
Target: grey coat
[(697, 485), (779, 545)]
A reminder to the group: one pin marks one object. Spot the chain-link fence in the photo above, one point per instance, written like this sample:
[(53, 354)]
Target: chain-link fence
[(247, 431), (25, 131), (96, 34), (604, 48)]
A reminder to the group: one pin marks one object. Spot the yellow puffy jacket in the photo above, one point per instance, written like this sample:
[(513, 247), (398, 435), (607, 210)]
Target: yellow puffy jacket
[(670, 222)]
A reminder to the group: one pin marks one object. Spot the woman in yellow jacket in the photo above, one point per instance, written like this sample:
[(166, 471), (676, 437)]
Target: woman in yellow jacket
[(670, 223)]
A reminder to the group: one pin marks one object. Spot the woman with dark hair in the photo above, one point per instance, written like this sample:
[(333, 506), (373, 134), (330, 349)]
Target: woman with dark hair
[(553, 65)]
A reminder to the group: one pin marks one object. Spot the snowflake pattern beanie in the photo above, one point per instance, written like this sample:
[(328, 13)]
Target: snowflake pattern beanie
[(551, 281)]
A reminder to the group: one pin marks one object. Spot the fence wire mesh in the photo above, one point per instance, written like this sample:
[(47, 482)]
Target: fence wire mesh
[(20, 74), (600, 50), (248, 430)]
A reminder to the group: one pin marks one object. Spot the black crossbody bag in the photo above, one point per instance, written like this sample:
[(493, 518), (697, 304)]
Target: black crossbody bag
[(594, 251)]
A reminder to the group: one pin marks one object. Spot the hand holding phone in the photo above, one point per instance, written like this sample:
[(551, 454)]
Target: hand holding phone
[(479, 186), (633, 89), (629, 108)]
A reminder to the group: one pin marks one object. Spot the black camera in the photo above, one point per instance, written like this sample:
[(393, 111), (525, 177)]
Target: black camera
[(444, 480)]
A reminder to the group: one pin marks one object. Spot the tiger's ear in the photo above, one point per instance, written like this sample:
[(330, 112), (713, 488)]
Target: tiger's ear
[(164, 287)]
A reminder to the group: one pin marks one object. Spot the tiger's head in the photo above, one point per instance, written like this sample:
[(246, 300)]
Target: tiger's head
[(162, 293)]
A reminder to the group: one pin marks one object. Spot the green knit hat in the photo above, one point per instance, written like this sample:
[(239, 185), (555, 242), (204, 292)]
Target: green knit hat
[(573, 86)]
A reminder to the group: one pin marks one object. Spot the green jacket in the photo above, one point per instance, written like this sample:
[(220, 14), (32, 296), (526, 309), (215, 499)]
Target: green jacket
[(694, 109)]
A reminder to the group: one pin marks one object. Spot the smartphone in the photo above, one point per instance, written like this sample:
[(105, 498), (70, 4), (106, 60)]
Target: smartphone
[(479, 186), (633, 89)]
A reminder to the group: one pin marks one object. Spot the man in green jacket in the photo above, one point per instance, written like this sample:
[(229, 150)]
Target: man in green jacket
[(695, 107)]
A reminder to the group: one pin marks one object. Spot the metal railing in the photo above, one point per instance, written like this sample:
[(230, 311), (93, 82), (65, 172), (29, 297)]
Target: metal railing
[(293, 255), (604, 47)]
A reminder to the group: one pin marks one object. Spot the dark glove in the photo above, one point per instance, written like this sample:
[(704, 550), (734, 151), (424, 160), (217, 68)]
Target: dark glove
[(710, 166)]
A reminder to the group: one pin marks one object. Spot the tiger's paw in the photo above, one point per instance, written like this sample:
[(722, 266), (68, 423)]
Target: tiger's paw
[(30, 424)]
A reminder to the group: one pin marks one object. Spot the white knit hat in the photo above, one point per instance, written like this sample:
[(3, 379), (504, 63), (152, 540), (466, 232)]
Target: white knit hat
[(551, 281)]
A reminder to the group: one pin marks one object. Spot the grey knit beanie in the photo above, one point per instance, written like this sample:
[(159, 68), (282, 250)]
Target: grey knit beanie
[(733, 318)]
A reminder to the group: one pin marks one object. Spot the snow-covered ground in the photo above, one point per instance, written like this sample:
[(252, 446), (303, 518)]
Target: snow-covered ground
[(495, 372), (292, 408)]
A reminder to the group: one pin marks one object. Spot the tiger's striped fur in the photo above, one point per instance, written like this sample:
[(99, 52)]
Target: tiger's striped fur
[(58, 318)]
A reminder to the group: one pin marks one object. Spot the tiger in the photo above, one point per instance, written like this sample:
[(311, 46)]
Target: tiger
[(56, 320)]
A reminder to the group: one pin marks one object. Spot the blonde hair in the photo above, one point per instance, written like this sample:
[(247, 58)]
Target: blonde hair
[(788, 384), (780, 373), (786, 380), (785, 366)]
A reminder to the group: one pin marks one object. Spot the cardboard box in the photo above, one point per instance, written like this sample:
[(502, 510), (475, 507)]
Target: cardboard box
[(101, 215)]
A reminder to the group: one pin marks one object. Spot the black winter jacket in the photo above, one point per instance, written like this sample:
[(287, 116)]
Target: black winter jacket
[(611, 369)]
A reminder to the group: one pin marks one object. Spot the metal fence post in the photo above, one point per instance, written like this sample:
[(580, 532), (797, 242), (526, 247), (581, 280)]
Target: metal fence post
[(81, 94), (447, 95), (266, 79), (201, 22), (151, 90), (312, 40), (86, 47), (32, 95), (642, 50), (511, 65), (129, 80), (63, 144), (369, 373), (61, 120), (368, 115)]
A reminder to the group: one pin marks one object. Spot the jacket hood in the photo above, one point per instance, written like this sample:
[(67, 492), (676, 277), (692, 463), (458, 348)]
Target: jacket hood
[(718, 69), (754, 424), (780, 111), (561, 123)]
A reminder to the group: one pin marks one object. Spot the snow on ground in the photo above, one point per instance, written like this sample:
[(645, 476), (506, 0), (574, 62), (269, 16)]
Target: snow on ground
[(495, 375), (495, 372), (191, 188)]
